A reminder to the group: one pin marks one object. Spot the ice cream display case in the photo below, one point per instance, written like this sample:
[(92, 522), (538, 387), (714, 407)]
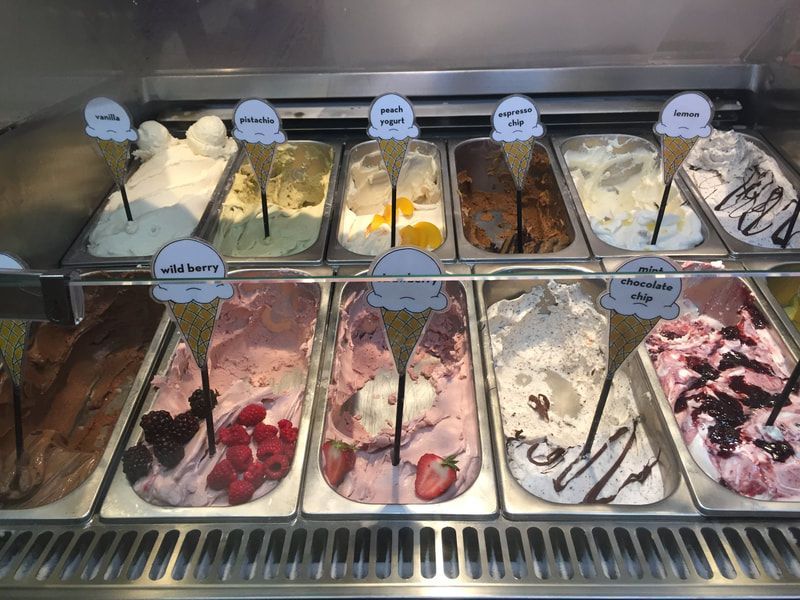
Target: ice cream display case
[(400, 300)]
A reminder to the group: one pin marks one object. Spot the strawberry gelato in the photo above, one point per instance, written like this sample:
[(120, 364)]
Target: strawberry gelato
[(448, 426)]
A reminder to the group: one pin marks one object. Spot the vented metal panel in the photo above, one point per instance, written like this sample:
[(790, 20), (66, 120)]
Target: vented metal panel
[(500, 558)]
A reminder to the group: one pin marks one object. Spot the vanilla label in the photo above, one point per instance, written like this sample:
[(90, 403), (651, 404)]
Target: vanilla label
[(108, 120)]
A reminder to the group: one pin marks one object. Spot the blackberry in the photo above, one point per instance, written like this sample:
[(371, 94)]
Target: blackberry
[(156, 423), (168, 452), (184, 427), (136, 462), (198, 402)]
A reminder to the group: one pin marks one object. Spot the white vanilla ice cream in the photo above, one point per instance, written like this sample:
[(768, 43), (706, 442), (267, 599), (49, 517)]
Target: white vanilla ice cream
[(168, 193)]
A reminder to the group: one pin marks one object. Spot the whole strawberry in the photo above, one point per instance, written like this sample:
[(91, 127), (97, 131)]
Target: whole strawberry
[(268, 448), (251, 415), (434, 475), (276, 467), (240, 491), (240, 457), (338, 459), (234, 435), (221, 476), (262, 432)]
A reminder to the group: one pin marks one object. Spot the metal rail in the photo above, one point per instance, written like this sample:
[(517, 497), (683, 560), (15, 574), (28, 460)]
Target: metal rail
[(395, 558)]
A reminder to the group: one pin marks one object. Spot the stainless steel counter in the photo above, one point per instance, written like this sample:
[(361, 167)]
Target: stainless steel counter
[(404, 558)]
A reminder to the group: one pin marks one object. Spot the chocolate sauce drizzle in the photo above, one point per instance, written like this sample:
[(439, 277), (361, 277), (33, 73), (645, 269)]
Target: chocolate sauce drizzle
[(566, 476), (541, 406), (757, 203)]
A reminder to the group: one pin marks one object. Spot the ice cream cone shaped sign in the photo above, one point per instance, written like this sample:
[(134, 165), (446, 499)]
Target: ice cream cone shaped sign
[(13, 334), (194, 305), (685, 118), (110, 124), (406, 307), (515, 125), (257, 126), (636, 303), (393, 124)]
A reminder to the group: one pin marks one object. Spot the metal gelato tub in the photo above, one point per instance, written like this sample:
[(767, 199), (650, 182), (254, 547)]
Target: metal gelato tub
[(563, 143), (123, 504), (78, 254), (470, 156), (313, 255), (517, 501), (715, 297), (478, 500), (747, 197), (338, 253), (78, 505)]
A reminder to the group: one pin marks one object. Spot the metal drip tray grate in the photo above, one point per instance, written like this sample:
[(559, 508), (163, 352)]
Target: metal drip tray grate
[(402, 559)]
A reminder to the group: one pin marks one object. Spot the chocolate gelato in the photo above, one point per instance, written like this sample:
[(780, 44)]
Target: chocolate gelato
[(74, 383), (488, 202)]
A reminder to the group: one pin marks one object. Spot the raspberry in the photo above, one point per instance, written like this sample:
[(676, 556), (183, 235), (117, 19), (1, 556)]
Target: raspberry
[(287, 449), (221, 476), (277, 466), (263, 432), (240, 456), (234, 435), (240, 491), (256, 474), (251, 415), (184, 427), (284, 424), (136, 462), (168, 452), (156, 423), (197, 402), (289, 434), (268, 448)]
